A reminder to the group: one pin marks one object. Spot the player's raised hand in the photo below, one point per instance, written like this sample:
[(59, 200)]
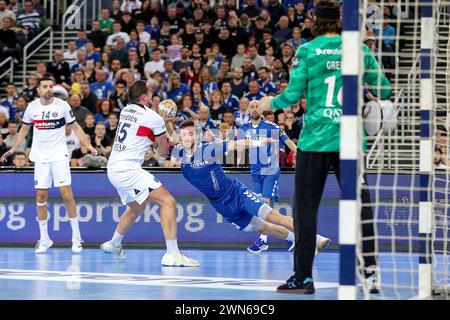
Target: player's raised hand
[(264, 103), (6, 155)]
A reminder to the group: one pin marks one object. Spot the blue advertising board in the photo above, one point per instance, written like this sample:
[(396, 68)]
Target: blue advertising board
[(99, 209)]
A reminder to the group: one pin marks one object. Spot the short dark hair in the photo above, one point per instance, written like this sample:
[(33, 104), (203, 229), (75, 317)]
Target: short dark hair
[(187, 123), (264, 68), (229, 111), (45, 78), (136, 90), (120, 81)]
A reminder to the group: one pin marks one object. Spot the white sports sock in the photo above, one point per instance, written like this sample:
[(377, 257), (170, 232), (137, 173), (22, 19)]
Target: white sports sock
[(263, 237), (172, 246), (75, 228), (117, 239), (43, 229), (290, 236)]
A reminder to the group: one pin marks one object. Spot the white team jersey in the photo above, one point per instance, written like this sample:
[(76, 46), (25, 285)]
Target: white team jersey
[(49, 135), (138, 126)]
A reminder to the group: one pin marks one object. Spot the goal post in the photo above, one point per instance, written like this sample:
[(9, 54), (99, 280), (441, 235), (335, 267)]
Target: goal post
[(350, 143), (409, 191)]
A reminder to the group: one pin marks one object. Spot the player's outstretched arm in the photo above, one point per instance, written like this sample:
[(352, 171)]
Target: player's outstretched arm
[(83, 138), (20, 136), (247, 143)]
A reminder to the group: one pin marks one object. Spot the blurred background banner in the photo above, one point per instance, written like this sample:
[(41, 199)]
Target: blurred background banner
[(99, 208)]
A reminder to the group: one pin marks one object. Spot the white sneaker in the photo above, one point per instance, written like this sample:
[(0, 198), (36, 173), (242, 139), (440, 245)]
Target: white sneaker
[(77, 246), (321, 244), (178, 260), (372, 279), (109, 248), (43, 245)]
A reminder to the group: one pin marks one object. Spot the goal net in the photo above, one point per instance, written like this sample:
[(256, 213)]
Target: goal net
[(406, 166)]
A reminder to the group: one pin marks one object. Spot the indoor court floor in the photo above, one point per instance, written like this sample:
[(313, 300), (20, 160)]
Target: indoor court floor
[(222, 275)]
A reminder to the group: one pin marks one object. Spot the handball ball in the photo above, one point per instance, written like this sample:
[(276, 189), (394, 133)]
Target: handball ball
[(169, 107)]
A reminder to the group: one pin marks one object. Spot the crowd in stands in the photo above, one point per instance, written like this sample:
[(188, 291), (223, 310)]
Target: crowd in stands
[(212, 61)]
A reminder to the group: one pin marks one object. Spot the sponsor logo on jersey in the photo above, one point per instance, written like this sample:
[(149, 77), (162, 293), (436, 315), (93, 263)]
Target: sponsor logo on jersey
[(328, 51), (49, 124), (295, 62), (55, 114)]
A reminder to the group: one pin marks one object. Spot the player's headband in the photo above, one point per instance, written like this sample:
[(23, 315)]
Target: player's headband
[(327, 13)]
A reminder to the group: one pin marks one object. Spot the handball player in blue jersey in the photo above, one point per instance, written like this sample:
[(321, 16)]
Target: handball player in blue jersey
[(264, 167), (243, 208)]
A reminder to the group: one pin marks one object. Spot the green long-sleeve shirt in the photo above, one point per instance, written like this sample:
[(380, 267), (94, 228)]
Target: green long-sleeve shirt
[(316, 68)]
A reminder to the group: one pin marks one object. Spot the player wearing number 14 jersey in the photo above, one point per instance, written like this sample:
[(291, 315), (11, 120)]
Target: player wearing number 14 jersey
[(49, 116), (139, 127)]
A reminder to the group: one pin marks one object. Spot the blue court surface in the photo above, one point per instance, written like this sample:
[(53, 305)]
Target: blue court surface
[(222, 275)]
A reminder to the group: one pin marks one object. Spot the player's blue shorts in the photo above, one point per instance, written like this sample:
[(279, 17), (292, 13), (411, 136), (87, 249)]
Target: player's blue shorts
[(240, 205), (267, 185)]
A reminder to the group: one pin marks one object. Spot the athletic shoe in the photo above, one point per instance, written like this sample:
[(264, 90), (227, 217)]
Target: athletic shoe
[(178, 260), (109, 248), (290, 245), (43, 245), (77, 246), (322, 244), (371, 279), (295, 286), (258, 246)]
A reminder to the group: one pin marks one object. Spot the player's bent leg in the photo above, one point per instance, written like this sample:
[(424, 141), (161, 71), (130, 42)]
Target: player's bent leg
[(277, 218), (44, 242), (262, 243), (256, 224), (114, 246), (168, 206), (126, 221)]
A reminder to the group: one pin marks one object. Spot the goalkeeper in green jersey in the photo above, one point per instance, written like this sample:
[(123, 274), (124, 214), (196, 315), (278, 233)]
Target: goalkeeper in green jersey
[(316, 69)]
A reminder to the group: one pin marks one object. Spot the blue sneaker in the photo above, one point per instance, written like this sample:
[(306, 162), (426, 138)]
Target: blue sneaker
[(258, 246), (290, 245)]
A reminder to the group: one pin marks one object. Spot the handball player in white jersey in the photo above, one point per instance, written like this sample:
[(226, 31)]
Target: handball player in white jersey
[(139, 127), (49, 116)]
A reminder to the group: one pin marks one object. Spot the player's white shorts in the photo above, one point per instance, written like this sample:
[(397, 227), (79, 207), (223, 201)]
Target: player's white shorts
[(133, 185), (58, 172)]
